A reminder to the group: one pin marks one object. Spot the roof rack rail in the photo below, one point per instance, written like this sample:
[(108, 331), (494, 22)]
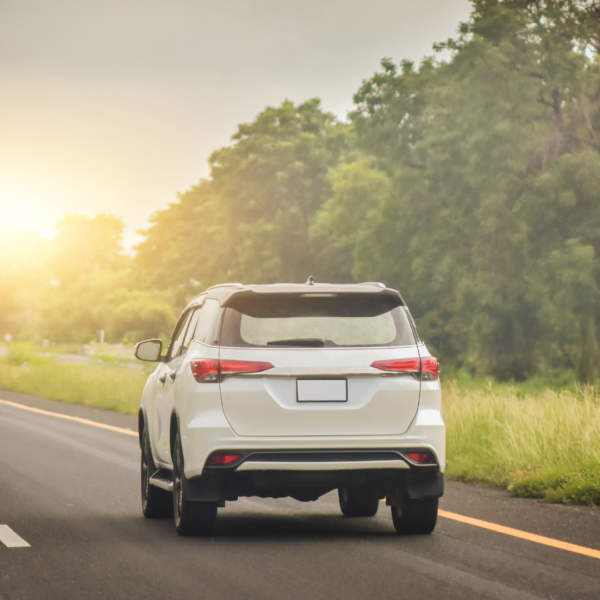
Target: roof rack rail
[(221, 285), (373, 284)]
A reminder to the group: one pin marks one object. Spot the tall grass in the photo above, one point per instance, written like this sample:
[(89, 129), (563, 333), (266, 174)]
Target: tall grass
[(544, 446), (102, 386)]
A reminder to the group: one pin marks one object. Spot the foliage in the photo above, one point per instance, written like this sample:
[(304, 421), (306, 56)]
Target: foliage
[(359, 196), (492, 227), (22, 354), (83, 245), (69, 288), (21, 283), (185, 246), (579, 484), (102, 300)]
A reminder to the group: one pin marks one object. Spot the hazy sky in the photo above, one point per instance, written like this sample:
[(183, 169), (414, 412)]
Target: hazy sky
[(115, 105)]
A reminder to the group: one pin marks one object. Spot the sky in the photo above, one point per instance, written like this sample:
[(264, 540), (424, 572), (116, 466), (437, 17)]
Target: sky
[(115, 105)]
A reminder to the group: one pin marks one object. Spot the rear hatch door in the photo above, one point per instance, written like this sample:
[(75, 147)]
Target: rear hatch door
[(320, 392)]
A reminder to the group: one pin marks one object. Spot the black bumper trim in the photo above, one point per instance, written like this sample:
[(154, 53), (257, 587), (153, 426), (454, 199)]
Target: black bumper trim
[(316, 456)]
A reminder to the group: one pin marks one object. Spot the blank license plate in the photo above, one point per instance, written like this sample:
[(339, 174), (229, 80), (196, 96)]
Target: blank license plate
[(322, 390)]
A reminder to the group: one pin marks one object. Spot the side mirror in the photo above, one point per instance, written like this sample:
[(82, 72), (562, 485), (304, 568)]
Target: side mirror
[(149, 350)]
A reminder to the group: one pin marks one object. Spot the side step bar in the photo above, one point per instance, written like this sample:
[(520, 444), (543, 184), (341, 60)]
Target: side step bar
[(162, 479)]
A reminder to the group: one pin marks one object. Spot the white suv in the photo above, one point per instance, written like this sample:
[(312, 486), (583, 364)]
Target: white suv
[(293, 390)]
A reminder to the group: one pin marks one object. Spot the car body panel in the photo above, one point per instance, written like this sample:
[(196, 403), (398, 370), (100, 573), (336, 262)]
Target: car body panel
[(163, 406), (378, 404)]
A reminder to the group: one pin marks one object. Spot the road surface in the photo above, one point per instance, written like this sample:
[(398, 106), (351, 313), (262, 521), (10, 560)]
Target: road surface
[(69, 504)]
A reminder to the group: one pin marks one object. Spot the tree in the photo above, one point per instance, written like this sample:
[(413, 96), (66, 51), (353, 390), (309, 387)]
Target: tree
[(104, 300), (250, 221), (85, 244), (469, 146), (360, 193), (186, 246), (22, 281)]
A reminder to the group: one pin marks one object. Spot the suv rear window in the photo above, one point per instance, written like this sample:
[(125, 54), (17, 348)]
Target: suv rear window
[(315, 320)]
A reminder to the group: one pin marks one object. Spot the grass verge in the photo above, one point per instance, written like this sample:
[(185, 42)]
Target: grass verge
[(102, 386), (537, 446)]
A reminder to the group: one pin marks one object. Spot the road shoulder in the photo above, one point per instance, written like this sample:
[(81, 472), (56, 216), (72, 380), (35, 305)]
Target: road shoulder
[(73, 410), (568, 523)]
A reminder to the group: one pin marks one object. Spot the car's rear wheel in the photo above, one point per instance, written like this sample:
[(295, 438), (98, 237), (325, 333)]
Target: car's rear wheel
[(415, 516), (156, 502), (357, 503), (191, 518)]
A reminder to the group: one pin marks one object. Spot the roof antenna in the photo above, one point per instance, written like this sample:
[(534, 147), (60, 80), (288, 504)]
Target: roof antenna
[(310, 280)]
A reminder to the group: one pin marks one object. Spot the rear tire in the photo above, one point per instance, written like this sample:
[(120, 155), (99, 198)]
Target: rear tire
[(191, 518), (415, 516), (156, 503), (355, 503)]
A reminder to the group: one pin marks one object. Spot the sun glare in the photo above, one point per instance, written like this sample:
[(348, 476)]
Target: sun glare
[(24, 205), (31, 205)]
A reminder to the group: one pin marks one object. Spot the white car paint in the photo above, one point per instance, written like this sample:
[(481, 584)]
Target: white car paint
[(260, 411)]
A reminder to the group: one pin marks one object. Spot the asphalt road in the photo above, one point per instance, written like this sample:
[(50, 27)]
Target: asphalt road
[(71, 491)]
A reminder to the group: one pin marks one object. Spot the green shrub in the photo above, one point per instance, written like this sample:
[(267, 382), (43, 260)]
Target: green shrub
[(575, 485), (19, 354)]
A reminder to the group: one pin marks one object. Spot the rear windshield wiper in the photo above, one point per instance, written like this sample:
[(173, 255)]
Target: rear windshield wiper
[(306, 342)]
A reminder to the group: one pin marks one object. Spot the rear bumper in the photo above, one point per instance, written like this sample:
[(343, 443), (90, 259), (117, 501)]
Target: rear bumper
[(306, 475), (323, 459), (198, 447), (217, 485)]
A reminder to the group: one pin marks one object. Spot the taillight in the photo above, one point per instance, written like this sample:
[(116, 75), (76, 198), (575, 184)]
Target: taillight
[(223, 459), (244, 366), (428, 368), (410, 365), (421, 457), (207, 370)]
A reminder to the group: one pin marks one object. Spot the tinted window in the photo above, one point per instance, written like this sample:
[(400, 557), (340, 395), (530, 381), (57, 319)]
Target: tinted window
[(205, 330), (178, 333), (189, 335), (351, 320)]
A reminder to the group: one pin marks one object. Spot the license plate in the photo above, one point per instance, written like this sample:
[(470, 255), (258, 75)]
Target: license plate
[(322, 390)]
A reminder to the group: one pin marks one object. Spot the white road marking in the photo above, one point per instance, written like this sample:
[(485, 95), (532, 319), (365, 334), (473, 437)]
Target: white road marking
[(10, 539)]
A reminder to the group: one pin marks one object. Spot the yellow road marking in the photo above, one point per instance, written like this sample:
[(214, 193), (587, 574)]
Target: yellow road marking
[(532, 537), (69, 418)]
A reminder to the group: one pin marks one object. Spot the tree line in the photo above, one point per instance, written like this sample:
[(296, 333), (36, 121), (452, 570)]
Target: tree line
[(470, 184)]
